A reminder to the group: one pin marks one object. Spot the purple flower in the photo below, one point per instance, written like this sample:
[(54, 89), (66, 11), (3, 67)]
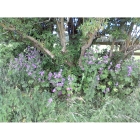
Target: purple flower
[(54, 90), (50, 100), (55, 75), (109, 67), (59, 75), (29, 73), (63, 79), (41, 73), (107, 89), (68, 89), (16, 59), (29, 57), (129, 70), (90, 62), (60, 84), (50, 75), (34, 65), (101, 69), (105, 57), (118, 66)]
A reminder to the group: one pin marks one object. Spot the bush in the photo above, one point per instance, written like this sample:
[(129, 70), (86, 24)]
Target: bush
[(101, 75), (17, 106), (26, 70), (8, 51)]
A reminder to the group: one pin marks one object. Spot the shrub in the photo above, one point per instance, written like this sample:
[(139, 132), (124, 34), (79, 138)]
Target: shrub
[(19, 106), (26, 70), (62, 85), (8, 51), (101, 75)]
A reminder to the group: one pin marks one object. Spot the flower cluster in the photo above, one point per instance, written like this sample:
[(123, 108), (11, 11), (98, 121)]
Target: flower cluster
[(117, 68), (29, 63), (106, 71), (129, 70), (90, 58), (59, 82), (105, 59)]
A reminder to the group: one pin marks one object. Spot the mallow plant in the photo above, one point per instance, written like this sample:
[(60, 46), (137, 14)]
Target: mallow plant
[(102, 76), (60, 85), (26, 69)]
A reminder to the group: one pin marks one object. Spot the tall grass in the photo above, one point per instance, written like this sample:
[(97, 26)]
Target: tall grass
[(114, 110)]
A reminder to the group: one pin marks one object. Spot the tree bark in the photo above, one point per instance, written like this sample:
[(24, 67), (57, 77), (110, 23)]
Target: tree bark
[(86, 46), (61, 32), (111, 50), (128, 40)]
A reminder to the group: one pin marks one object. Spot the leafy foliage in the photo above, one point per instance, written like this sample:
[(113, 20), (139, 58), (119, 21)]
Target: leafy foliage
[(35, 87), (102, 76)]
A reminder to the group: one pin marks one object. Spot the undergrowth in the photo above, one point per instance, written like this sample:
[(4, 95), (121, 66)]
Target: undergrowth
[(28, 93)]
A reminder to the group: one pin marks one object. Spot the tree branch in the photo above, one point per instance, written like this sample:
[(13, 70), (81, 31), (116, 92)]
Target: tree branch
[(34, 41), (128, 40), (111, 50), (86, 46)]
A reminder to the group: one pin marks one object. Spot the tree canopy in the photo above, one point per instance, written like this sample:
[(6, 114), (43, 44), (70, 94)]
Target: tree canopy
[(122, 33)]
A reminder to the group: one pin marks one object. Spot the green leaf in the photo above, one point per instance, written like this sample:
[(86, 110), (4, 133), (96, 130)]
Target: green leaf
[(30, 81), (58, 88)]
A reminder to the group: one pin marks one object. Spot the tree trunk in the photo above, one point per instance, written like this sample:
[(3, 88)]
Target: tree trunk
[(61, 32)]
